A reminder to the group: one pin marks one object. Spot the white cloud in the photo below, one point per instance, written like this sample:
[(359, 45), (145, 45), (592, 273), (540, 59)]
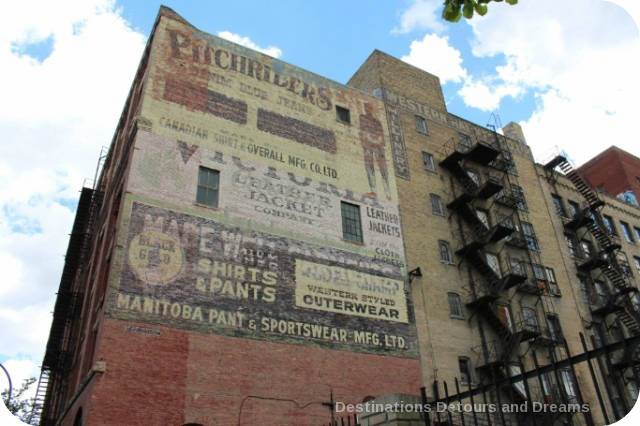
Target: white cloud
[(274, 51), (485, 95), (579, 58), (421, 15), (55, 114), (19, 370), (434, 54)]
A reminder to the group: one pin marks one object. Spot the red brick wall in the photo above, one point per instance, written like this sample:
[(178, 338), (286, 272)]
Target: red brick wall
[(179, 376), (614, 168)]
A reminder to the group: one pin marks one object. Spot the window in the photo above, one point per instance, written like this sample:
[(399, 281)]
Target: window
[(427, 160), (465, 142), (507, 157), (421, 124), (637, 231), (600, 288), (518, 194), (554, 328), (541, 277), (530, 318), (343, 115), (569, 386), (545, 378), (598, 334), (530, 236), (551, 279), (623, 262), (516, 370), (455, 306), (559, 205), (636, 260), (483, 215), (626, 230), (587, 248), (608, 222), (574, 208), (494, 263), (572, 245), (436, 205), (351, 226), (208, 185), (445, 252), (464, 365), (518, 267), (474, 176)]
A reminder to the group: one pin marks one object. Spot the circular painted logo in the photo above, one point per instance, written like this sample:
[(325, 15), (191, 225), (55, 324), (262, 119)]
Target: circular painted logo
[(155, 257)]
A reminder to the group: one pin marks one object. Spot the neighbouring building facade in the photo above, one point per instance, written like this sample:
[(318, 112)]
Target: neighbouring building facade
[(264, 242), (615, 172)]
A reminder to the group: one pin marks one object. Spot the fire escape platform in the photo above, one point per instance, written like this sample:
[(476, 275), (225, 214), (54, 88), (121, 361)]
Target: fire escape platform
[(517, 240), (529, 287), (579, 220), (489, 188), (513, 279), (469, 248), (592, 263), (609, 306), (498, 232), (556, 161), (482, 301), (507, 201), (452, 163), (482, 153), (460, 202), (528, 333)]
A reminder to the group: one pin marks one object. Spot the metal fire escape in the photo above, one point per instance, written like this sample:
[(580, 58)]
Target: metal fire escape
[(59, 354), (619, 300), (456, 156)]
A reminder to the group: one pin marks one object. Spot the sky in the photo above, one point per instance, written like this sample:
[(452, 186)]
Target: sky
[(567, 71)]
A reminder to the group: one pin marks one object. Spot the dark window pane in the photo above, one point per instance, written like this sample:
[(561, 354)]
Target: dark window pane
[(207, 191), (351, 225)]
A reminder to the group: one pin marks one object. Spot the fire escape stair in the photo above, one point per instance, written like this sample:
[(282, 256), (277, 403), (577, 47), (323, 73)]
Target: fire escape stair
[(495, 283), (623, 310), (39, 398)]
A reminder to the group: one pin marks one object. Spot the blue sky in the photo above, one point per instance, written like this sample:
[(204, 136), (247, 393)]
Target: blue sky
[(330, 38), (565, 70)]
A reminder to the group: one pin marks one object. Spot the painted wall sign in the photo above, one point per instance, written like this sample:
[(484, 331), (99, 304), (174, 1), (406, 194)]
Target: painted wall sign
[(199, 274), (284, 203), (219, 95)]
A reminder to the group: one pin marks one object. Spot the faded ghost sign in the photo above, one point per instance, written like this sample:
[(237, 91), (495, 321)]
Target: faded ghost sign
[(198, 274)]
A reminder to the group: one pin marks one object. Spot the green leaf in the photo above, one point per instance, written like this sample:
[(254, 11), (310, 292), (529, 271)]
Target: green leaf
[(512, 2), (481, 9), (451, 11), (467, 10)]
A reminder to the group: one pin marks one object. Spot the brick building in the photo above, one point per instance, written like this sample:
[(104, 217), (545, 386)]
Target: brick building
[(250, 252), (615, 172)]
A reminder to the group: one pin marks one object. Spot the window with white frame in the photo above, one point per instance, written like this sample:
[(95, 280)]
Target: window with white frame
[(455, 305), (427, 161), (445, 252), (437, 207)]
